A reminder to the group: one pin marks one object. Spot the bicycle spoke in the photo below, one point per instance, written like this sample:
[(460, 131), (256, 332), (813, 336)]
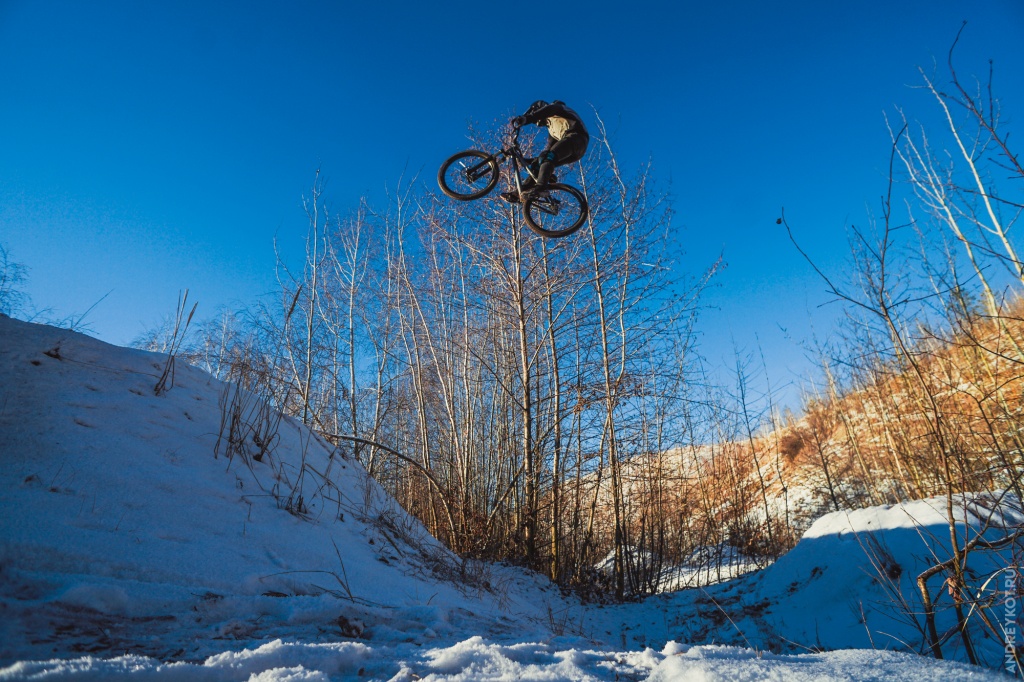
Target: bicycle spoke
[(548, 205), (468, 175), (556, 211)]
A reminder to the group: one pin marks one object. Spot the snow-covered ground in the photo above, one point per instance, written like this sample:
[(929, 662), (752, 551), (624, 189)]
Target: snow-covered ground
[(138, 542)]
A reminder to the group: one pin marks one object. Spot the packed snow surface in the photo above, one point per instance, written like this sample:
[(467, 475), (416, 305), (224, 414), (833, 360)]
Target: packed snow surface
[(191, 535)]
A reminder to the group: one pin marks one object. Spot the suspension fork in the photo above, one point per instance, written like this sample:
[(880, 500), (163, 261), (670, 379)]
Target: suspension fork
[(517, 159), (513, 162)]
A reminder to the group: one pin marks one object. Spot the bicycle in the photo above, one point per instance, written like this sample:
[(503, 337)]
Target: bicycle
[(550, 210)]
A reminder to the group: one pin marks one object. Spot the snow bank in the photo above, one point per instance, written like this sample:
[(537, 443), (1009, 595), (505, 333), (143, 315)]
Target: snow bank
[(841, 587), (124, 529)]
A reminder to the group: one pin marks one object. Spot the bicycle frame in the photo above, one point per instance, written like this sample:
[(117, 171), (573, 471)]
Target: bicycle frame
[(516, 159), (554, 210)]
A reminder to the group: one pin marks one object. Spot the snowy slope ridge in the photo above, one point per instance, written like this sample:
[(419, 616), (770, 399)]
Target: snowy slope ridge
[(116, 507), (131, 545)]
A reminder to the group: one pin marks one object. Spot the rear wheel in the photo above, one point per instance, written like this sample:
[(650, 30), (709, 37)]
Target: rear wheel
[(555, 210), (468, 175)]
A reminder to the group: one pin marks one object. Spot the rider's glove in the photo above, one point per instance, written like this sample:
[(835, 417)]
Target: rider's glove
[(519, 121)]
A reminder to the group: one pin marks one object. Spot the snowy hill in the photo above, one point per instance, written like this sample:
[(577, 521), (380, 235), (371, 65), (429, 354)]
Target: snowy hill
[(192, 535), (116, 506)]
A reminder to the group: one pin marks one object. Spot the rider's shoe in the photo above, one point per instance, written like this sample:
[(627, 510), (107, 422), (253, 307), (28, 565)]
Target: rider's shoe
[(510, 197)]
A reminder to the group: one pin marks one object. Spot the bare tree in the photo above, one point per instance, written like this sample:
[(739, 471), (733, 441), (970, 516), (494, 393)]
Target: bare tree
[(13, 276)]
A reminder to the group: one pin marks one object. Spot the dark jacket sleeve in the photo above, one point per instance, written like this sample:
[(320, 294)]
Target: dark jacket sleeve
[(556, 108), (553, 109)]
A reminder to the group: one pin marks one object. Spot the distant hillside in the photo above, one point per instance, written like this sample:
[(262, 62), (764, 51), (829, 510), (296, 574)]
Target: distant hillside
[(947, 413), (946, 416)]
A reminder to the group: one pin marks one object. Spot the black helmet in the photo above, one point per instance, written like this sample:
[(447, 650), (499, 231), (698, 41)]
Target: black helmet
[(536, 106)]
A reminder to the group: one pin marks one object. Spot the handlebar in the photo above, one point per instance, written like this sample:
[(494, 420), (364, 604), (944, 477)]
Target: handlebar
[(514, 137)]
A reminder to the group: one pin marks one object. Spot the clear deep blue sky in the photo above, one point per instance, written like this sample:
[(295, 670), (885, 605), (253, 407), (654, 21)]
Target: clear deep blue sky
[(148, 147)]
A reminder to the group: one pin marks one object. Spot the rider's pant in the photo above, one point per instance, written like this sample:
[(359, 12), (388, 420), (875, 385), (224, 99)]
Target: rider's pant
[(569, 149)]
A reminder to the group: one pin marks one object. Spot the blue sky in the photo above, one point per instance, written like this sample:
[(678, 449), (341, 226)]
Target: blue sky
[(149, 147)]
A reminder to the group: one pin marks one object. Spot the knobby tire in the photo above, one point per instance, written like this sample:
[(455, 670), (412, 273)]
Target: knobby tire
[(557, 210)]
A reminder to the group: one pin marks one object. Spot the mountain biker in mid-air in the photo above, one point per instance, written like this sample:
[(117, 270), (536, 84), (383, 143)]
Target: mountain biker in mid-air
[(567, 142)]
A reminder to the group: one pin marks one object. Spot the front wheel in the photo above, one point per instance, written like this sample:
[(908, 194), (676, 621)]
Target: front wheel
[(468, 175), (555, 210)]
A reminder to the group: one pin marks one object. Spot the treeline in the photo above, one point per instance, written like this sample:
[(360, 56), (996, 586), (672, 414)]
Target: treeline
[(927, 396), (508, 377)]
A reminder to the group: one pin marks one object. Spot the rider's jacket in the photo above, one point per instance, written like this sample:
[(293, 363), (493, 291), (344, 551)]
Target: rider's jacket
[(560, 120)]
